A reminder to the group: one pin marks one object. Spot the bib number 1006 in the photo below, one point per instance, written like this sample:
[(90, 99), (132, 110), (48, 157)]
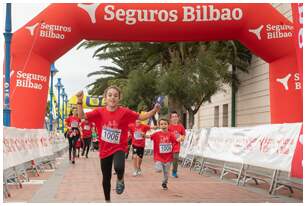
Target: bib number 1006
[(165, 148), (111, 135)]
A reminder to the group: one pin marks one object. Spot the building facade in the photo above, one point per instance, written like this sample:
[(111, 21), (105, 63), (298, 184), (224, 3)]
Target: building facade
[(252, 98)]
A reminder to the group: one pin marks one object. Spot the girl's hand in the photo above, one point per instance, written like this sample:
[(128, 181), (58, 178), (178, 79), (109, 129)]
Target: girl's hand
[(157, 107), (79, 96)]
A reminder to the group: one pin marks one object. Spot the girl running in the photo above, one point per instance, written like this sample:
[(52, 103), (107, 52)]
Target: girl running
[(113, 126), (72, 123), (86, 135)]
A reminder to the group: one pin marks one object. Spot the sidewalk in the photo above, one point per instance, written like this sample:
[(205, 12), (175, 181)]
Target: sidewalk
[(82, 182)]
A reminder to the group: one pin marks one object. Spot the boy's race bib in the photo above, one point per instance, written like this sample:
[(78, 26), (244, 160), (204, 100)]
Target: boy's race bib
[(111, 135), (165, 148), (137, 135)]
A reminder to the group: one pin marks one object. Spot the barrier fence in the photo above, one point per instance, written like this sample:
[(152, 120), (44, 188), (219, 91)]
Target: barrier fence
[(256, 153), (22, 145), (29, 149), (259, 153)]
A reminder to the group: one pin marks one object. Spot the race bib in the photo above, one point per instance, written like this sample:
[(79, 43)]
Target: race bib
[(86, 127), (111, 135), (74, 124), (165, 148), (137, 135)]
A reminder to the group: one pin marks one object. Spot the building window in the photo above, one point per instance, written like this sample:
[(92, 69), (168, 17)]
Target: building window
[(225, 115), (216, 116)]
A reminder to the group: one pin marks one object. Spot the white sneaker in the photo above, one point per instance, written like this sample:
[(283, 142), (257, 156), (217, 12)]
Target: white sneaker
[(139, 172), (135, 173)]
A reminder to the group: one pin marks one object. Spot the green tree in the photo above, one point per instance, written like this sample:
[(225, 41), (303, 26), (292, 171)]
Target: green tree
[(189, 73), (140, 89), (194, 82)]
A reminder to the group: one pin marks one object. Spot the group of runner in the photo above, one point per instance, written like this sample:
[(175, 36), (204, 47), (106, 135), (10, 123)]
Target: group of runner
[(80, 134), (166, 143), (114, 123)]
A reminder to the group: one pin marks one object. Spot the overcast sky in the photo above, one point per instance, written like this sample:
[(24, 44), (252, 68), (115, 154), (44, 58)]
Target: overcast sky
[(74, 65)]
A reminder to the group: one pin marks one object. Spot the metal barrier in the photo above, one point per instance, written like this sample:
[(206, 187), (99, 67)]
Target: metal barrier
[(275, 178), (19, 173), (233, 168), (211, 165), (196, 164), (282, 179), (259, 174), (188, 160), (10, 175)]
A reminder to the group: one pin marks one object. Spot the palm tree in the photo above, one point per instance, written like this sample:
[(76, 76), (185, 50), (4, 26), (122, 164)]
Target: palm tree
[(205, 63)]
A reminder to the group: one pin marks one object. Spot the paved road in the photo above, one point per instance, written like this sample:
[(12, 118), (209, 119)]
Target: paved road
[(82, 182)]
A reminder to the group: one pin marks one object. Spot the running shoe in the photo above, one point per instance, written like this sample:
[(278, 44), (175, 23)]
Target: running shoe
[(174, 174), (119, 187), (139, 172), (135, 173), (164, 186)]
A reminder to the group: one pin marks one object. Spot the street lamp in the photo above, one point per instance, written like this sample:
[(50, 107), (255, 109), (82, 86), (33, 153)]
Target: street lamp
[(63, 115), (8, 36), (59, 86), (66, 103), (53, 71)]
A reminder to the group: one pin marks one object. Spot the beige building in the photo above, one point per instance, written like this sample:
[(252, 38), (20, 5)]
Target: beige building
[(252, 98)]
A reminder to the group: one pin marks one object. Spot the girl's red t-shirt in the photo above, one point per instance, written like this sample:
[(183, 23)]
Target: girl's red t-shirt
[(73, 122), (86, 129), (112, 128)]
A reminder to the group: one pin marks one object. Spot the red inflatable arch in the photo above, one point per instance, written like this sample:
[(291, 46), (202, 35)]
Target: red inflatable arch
[(53, 32)]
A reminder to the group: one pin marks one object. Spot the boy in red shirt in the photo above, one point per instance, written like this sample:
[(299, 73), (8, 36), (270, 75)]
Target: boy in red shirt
[(86, 135), (163, 142), (112, 122), (138, 132), (179, 132)]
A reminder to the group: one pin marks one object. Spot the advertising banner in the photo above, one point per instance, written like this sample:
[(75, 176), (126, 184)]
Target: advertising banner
[(269, 146)]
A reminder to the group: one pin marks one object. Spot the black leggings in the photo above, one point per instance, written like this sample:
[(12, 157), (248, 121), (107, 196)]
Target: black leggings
[(86, 146), (72, 141), (106, 168)]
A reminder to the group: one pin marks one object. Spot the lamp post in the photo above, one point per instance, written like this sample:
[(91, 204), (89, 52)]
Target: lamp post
[(63, 105), (53, 71), (8, 37), (59, 86), (66, 104)]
